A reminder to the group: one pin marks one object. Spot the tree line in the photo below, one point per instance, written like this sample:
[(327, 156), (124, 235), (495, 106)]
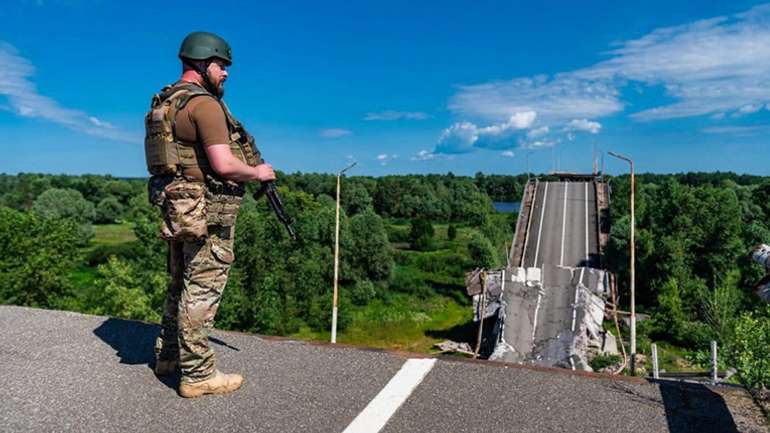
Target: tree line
[(694, 232)]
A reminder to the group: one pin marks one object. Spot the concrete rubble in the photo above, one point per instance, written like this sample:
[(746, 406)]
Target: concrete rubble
[(509, 302)]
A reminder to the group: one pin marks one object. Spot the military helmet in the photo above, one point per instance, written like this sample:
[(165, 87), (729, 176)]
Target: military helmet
[(205, 45)]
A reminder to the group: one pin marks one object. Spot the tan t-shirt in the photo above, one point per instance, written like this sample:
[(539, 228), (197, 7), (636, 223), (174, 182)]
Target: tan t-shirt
[(203, 121)]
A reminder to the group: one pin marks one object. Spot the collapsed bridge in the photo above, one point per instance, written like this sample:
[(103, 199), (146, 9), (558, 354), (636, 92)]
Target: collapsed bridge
[(547, 305)]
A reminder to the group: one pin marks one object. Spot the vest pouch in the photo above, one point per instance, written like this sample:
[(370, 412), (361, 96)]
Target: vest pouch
[(223, 199), (185, 213)]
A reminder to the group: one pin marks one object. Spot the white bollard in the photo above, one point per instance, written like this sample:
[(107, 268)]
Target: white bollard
[(655, 371), (714, 368)]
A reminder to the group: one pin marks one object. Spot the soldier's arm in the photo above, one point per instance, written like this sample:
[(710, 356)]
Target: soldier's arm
[(229, 167)]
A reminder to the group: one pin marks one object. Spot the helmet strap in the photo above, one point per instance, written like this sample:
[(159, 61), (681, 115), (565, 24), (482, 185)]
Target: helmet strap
[(201, 67)]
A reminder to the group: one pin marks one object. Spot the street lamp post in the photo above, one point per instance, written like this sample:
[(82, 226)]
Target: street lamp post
[(633, 254), (337, 253), (528, 153)]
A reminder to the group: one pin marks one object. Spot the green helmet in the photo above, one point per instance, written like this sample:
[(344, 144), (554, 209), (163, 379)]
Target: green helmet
[(204, 45)]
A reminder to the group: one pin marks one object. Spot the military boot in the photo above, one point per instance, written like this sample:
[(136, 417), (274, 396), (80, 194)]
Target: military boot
[(166, 367), (219, 383)]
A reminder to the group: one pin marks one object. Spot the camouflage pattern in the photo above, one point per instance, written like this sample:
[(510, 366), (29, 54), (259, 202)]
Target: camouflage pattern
[(199, 270)]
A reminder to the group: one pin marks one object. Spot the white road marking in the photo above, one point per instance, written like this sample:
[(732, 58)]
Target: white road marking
[(377, 413), (564, 223), (540, 292), (540, 229)]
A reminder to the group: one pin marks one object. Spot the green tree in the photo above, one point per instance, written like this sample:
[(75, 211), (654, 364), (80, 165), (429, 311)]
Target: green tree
[(320, 315), (749, 348), (108, 211), (362, 292), (64, 203), (119, 293), (58, 203), (421, 234), (451, 232), (370, 254), (38, 255), (482, 253), (356, 198)]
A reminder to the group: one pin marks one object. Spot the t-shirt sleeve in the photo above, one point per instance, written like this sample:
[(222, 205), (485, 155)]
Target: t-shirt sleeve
[(210, 122)]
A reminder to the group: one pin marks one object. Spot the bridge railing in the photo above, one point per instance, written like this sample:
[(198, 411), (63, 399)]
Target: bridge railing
[(522, 224)]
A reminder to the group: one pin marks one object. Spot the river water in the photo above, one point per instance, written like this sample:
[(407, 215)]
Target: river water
[(506, 206)]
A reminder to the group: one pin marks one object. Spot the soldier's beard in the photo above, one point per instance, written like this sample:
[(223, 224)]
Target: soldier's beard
[(217, 90)]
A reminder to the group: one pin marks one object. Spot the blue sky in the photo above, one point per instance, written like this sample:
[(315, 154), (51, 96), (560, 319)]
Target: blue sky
[(401, 87)]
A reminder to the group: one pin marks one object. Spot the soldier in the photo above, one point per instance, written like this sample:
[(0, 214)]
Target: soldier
[(199, 157)]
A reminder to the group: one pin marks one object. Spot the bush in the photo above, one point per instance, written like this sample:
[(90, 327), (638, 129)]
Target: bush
[(481, 252), (38, 255), (118, 292), (320, 314), (64, 203), (362, 292), (421, 234), (109, 210), (600, 361), (748, 352), (407, 281), (451, 232)]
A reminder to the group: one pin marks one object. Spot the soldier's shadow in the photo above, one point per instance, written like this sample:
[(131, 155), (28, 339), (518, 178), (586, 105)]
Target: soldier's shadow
[(134, 344)]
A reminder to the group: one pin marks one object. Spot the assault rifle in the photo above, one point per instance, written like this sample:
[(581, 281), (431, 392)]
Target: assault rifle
[(269, 190)]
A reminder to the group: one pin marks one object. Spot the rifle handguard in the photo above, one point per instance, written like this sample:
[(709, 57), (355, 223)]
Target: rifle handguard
[(274, 201)]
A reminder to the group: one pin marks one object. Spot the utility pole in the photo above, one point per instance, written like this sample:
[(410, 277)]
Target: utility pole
[(528, 153), (633, 261), (337, 253)]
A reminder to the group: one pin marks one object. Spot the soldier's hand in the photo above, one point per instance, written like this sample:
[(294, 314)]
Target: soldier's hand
[(264, 172)]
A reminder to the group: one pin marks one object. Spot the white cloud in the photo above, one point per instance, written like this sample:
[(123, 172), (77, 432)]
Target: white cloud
[(538, 132), (507, 154), (384, 158), (738, 130), (23, 99), (465, 137), (584, 125), (396, 115), (555, 100), (335, 133), (710, 67), (100, 123), (540, 144), (423, 155)]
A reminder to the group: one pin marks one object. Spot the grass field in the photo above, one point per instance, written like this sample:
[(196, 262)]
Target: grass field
[(403, 322), (112, 234)]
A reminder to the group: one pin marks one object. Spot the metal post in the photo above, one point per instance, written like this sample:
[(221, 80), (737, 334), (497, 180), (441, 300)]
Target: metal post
[(714, 368), (337, 254), (655, 371), (528, 172), (632, 249)]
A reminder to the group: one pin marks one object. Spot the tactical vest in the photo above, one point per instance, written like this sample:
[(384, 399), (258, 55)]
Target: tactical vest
[(166, 154)]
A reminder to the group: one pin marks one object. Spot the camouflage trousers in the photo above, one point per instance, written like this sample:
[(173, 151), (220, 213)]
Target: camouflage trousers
[(199, 271)]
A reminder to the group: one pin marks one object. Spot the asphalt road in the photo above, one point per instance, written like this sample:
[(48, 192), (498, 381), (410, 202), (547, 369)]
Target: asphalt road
[(77, 373), (562, 238), (563, 227)]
